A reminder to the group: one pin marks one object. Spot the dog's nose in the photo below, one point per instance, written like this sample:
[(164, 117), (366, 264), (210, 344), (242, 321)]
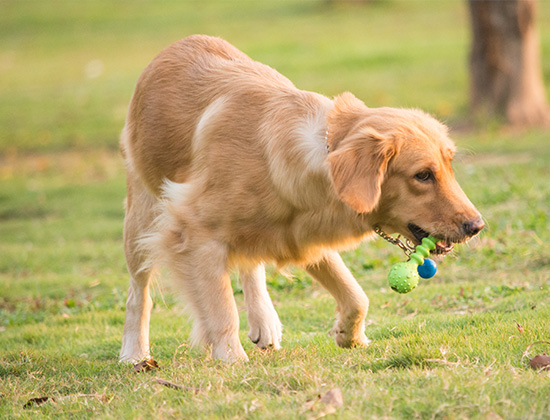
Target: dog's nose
[(473, 227)]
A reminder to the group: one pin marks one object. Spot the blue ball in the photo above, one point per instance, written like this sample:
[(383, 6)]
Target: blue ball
[(428, 269)]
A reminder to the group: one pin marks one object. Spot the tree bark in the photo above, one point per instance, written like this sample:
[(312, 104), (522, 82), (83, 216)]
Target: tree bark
[(506, 76)]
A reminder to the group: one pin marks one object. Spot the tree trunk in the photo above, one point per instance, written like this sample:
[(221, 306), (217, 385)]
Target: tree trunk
[(506, 77)]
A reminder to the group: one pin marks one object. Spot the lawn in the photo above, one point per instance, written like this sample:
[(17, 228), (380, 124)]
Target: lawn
[(457, 347)]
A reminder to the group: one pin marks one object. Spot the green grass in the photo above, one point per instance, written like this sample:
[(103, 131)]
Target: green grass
[(451, 349)]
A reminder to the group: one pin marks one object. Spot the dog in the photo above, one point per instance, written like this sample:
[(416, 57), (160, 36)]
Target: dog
[(230, 166)]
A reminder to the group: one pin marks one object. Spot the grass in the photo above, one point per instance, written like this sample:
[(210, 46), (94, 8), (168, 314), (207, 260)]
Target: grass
[(452, 349)]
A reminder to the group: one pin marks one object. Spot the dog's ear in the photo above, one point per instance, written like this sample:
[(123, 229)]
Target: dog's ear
[(348, 111), (358, 166)]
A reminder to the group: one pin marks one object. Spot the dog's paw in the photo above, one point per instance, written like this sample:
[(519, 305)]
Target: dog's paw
[(347, 339), (229, 353), (133, 354), (266, 331)]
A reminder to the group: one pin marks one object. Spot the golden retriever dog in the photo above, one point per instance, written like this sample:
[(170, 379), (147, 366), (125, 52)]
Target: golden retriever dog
[(230, 166)]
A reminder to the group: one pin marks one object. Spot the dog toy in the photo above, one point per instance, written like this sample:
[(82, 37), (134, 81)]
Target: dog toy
[(404, 276)]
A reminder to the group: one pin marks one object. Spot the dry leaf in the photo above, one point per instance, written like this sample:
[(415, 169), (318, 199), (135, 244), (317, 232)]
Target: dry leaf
[(327, 404), (333, 397), (146, 366), (176, 386), (520, 327), (37, 401), (540, 362), (61, 399)]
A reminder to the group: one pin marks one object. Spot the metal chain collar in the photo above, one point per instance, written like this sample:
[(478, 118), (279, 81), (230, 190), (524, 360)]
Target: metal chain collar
[(406, 247)]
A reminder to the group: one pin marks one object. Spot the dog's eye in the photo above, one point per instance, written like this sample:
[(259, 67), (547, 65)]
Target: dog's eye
[(424, 176)]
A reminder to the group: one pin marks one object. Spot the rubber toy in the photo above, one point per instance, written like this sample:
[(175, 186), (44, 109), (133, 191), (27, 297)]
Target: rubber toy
[(404, 276)]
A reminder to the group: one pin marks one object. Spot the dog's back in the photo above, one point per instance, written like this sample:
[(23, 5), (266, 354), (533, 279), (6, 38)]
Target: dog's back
[(191, 80)]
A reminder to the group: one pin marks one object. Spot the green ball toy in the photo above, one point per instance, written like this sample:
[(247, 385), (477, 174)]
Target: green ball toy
[(404, 276)]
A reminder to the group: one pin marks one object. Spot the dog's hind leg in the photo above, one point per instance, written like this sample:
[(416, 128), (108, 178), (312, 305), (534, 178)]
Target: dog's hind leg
[(265, 326), (139, 217), (199, 268), (353, 304)]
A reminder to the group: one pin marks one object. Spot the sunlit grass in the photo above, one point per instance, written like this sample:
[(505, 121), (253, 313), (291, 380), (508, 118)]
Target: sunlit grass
[(453, 348)]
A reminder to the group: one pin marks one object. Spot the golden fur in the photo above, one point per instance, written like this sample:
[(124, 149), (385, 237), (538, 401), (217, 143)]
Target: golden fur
[(230, 165)]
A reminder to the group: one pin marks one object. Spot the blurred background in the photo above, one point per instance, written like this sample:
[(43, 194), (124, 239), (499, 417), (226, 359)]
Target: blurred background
[(68, 68)]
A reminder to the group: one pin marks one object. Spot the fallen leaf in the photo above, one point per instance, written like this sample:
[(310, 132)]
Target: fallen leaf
[(526, 352), (63, 398), (146, 366), (326, 404), (333, 397), (540, 362), (520, 327), (37, 401), (176, 386)]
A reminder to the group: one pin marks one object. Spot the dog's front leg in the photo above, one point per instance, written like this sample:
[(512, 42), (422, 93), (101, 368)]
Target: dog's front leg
[(265, 326), (353, 304)]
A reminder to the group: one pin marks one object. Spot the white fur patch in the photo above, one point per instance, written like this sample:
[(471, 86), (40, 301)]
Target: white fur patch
[(298, 165), (311, 142), (174, 196), (207, 118), (174, 193)]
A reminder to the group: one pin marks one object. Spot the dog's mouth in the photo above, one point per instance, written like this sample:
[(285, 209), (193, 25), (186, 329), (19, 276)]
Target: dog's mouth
[(441, 247)]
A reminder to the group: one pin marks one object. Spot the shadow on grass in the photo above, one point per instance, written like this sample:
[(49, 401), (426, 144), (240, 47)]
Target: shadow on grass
[(401, 362)]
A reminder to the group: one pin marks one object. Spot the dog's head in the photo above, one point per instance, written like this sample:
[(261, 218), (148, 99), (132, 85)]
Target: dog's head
[(394, 166)]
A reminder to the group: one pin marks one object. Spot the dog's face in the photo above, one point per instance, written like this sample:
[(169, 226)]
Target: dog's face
[(395, 167), (419, 194)]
